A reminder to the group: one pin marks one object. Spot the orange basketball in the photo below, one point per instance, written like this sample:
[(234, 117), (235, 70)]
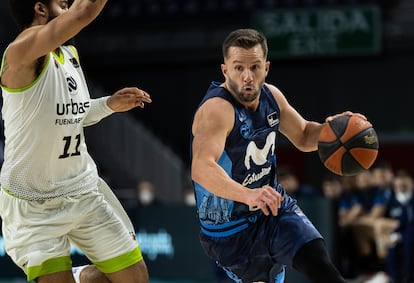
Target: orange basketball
[(348, 145)]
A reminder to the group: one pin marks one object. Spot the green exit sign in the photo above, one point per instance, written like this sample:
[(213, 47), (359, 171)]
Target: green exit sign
[(353, 30)]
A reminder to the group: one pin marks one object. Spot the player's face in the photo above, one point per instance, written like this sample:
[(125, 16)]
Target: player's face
[(245, 71), (56, 8)]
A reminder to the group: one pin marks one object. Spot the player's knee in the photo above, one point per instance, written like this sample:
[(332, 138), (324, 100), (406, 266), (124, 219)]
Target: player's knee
[(313, 260), (136, 273), (142, 273), (91, 274)]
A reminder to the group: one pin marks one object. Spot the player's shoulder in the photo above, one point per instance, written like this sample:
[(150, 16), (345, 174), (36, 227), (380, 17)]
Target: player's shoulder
[(216, 106), (214, 115), (17, 51), (277, 94), (273, 89)]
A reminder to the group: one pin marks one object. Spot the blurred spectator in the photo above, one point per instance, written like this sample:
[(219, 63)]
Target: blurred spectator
[(348, 202), (346, 248), (290, 182), (368, 205), (382, 176), (189, 196), (332, 187), (400, 256), (146, 193), (382, 179)]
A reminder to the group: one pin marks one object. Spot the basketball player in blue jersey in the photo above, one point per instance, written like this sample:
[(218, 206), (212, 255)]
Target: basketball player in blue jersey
[(51, 195), (249, 225)]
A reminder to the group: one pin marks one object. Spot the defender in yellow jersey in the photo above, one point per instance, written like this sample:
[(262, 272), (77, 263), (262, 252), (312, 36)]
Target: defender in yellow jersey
[(51, 194)]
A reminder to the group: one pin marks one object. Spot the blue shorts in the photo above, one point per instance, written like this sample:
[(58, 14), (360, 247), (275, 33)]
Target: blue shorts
[(260, 252)]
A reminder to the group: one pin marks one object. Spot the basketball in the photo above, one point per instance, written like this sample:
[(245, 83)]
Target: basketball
[(348, 145)]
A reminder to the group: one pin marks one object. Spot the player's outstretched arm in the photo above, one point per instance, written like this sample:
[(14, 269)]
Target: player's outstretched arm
[(301, 132), (123, 100), (44, 35)]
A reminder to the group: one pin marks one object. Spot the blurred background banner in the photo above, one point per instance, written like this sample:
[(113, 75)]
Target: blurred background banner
[(323, 31), (169, 241), (326, 57)]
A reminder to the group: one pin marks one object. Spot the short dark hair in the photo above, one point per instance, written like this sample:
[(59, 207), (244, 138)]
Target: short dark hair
[(245, 38), (402, 173), (23, 11), (381, 164)]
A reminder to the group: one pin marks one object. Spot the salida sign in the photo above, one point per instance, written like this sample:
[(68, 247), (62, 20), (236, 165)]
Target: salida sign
[(321, 32)]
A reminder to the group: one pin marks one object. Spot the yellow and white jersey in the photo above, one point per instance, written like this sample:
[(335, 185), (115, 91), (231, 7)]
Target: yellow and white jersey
[(45, 151)]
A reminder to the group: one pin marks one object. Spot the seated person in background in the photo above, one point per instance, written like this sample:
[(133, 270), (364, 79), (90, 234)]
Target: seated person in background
[(382, 175), (333, 191), (347, 213), (368, 205), (332, 187), (290, 182), (382, 181), (400, 240)]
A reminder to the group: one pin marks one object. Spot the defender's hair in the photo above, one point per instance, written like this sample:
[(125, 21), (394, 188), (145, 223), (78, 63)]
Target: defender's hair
[(245, 38), (23, 11)]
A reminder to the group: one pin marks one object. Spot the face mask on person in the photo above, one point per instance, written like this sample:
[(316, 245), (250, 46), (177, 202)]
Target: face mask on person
[(190, 200), (146, 197), (404, 197)]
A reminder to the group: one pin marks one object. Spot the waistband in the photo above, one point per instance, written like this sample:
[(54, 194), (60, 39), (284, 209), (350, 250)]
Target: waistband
[(228, 229), (46, 197)]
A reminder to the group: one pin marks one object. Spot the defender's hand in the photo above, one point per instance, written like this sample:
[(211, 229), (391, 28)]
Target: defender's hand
[(127, 98)]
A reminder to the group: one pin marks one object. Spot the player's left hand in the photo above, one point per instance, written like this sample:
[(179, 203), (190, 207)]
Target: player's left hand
[(128, 98)]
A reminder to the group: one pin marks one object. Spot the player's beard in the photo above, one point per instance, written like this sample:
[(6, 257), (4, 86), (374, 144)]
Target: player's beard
[(242, 95)]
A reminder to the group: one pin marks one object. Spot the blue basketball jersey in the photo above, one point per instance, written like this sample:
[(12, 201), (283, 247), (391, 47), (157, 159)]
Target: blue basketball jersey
[(248, 158), (248, 245)]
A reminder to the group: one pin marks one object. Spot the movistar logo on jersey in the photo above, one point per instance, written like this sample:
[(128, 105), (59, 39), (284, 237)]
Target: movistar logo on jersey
[(73, 108), (259, 156)]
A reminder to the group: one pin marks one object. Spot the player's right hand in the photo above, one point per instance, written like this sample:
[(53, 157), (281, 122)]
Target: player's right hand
[(266, 199)]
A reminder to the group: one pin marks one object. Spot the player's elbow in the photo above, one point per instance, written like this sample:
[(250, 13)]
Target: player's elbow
[(196, 172), (305, 145), (199, 170), (307, 148), (88, 11)]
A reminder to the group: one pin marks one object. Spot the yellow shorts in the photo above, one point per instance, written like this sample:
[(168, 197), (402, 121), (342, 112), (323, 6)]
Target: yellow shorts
[(38, 234)]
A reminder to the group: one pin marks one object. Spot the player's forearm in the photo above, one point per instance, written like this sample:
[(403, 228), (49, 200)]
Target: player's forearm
[(306, 140), (99, 109), (214, 179), (309, 142)]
